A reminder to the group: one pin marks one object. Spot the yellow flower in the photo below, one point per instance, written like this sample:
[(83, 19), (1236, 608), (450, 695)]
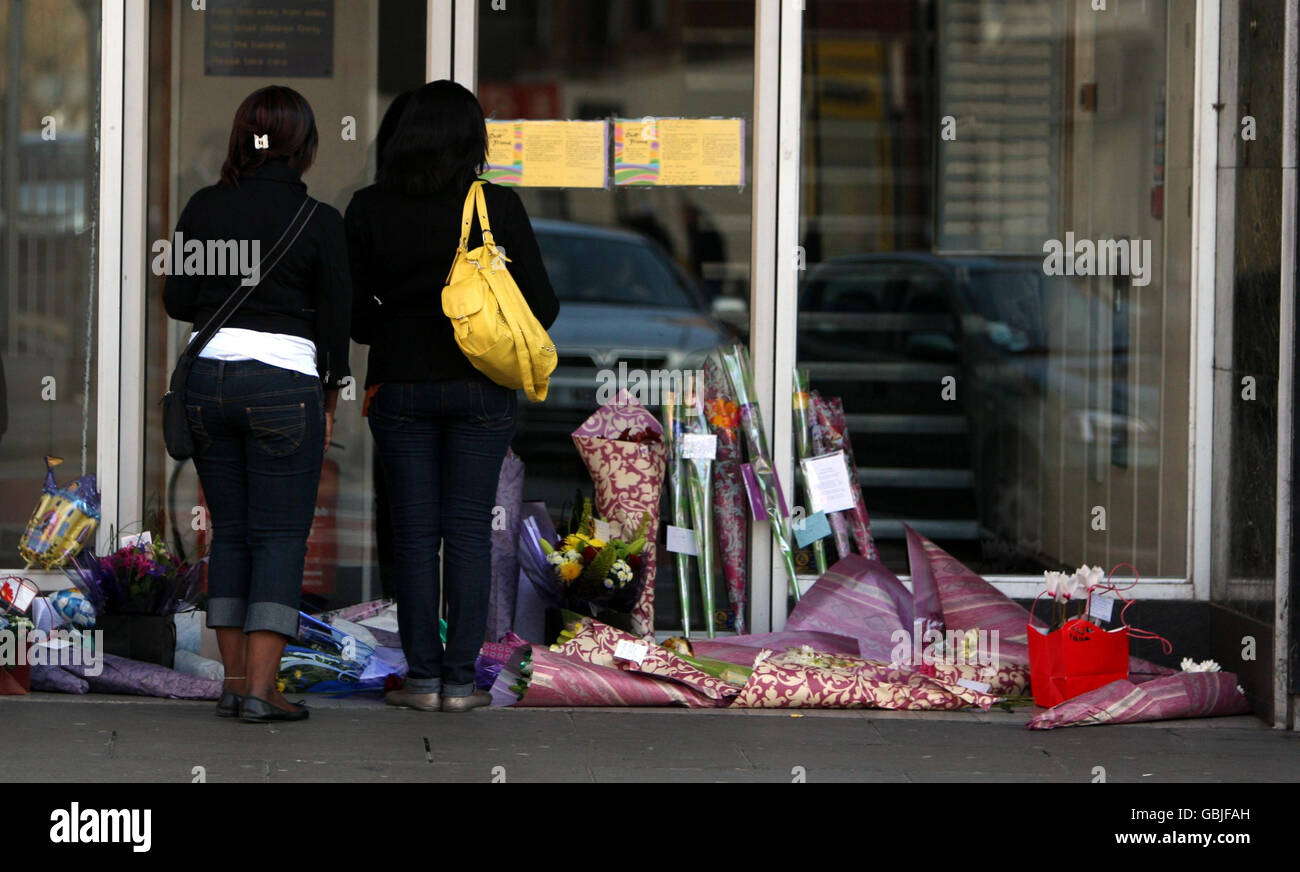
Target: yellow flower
[(570, 571)]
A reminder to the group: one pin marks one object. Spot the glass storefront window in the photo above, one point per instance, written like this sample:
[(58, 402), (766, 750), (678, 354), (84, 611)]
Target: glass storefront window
[(1024, 412), (49, 81)]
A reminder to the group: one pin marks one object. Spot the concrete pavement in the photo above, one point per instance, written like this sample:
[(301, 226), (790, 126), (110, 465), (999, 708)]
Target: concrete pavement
[(127, 739)]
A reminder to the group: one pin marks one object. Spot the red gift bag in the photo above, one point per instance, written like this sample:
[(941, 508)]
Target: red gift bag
[(1075, 659), (1081, 656)]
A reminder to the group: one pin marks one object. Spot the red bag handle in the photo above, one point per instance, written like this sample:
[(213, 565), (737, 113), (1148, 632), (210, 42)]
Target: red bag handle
[(1135, 632)]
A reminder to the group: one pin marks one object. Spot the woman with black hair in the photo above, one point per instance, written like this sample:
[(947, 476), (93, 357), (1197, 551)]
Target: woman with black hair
[(260, 398), (441, 428)]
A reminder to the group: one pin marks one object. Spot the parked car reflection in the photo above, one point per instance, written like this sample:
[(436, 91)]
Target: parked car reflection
[(965, 465), (622, 301)]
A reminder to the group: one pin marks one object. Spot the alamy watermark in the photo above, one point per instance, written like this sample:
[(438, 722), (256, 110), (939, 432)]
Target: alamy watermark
[(129, 826), (213, 257), (927, 646), (649, 387), (1104, 257), (52, 648)]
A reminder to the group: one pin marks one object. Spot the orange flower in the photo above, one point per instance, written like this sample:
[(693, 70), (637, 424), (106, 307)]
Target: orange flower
[(723, 413)]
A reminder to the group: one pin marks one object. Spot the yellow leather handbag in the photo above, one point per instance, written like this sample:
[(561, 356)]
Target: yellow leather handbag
[(493, 324)]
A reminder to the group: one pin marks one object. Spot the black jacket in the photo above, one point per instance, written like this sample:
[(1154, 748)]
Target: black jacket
[(401, 248), (308, 294)]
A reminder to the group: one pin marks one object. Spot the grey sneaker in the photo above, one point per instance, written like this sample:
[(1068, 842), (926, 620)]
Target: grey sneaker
[(425, 702), (465, 703)]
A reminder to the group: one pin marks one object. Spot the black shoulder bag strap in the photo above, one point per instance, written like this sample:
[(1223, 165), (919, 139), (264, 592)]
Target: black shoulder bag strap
[(238, 298), (176, 433)]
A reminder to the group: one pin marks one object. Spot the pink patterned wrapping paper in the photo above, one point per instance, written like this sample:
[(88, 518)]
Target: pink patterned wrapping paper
[(560, 680), (662, 663), (968, 602), (860, 598), (499, 652), (1003, 679), (783, 681), (628, 479), (1180, 695), (595, 642), (731, 524)]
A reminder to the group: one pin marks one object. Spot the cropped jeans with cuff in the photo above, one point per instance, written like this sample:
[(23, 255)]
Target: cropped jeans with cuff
[(259, 440), (441, 445)]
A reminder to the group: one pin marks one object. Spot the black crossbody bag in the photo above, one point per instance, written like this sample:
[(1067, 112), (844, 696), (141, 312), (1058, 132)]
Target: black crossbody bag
[(176, 425)]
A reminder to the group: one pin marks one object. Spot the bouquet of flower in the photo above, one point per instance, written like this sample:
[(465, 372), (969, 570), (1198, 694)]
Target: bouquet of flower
[(766, 493), (593, 571), (142, 578), (730, 523)]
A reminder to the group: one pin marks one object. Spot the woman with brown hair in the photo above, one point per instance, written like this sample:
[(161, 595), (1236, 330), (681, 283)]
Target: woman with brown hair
[(261, 396)]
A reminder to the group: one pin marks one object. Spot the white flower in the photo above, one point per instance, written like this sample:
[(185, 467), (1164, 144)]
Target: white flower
[(1055, 582), (1073, 586), (1190, 665), (1089, 577)]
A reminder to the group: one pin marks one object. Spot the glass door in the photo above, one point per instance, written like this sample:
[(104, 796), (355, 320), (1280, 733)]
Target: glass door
[(650, 276), (349, 59)]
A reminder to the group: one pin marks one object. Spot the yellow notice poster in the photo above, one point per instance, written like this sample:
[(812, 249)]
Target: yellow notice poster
[(547, 154), (689, 152)]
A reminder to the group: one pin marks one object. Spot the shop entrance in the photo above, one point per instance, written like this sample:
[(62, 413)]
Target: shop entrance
[(651, 276)]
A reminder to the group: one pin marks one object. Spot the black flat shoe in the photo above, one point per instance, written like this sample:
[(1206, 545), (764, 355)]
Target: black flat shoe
[(228, 705), (253, 710)]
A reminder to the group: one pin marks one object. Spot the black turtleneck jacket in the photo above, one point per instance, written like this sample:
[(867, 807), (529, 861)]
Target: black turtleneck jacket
[(308, 293), (400, 248)]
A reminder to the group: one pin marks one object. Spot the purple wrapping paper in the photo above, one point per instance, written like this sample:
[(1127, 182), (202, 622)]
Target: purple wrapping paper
[(742, 650), (860, 598), (926, 605), (1180, 695), (559, 680), (121, 675), (505, 564), (530, 605)]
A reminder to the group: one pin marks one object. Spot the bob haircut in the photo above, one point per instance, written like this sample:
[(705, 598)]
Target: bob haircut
[(284, 117), (440, 142)]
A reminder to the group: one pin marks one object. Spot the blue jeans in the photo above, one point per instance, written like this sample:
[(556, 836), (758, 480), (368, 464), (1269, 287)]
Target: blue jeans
[(441, 445), (259, 440)]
